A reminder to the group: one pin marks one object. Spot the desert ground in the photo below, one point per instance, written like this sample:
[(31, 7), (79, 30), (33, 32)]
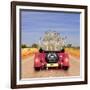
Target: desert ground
[(27, 66)]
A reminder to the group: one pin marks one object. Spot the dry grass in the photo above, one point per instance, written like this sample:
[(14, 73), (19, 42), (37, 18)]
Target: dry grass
[(73, 52), (26, 52)]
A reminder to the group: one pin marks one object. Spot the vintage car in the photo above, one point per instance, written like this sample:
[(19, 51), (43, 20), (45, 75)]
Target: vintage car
[(51, 59)]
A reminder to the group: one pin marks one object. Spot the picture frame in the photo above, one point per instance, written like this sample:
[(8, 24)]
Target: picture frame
[(17, 24)]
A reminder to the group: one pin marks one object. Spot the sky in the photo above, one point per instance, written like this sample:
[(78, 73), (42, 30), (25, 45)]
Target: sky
[(35, 23)]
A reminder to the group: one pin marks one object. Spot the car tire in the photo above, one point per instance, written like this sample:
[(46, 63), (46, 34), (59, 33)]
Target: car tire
[(65, 68), (37, 68), (59, 67)]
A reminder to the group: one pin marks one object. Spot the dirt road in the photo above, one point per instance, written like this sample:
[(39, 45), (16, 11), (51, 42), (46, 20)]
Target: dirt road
[(27, 69)]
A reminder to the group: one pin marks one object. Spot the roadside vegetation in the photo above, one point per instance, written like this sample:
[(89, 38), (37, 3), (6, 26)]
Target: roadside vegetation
[(73, 51), (31, 50)]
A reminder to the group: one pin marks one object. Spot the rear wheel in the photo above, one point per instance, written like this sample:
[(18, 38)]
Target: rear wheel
[(37, 68), (59, 66), (65, 68)]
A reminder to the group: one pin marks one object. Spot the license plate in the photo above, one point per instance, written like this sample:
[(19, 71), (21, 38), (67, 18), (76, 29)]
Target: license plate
[(52, 65)]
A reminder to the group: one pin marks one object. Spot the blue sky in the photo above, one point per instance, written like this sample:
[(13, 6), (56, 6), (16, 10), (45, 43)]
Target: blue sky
[(35, 23)]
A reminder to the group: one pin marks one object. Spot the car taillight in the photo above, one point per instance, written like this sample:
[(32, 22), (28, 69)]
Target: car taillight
[(36, 60), (66, 59)]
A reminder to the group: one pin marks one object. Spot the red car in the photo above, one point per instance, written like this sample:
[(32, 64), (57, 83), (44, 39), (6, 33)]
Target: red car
[(50, 59)]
